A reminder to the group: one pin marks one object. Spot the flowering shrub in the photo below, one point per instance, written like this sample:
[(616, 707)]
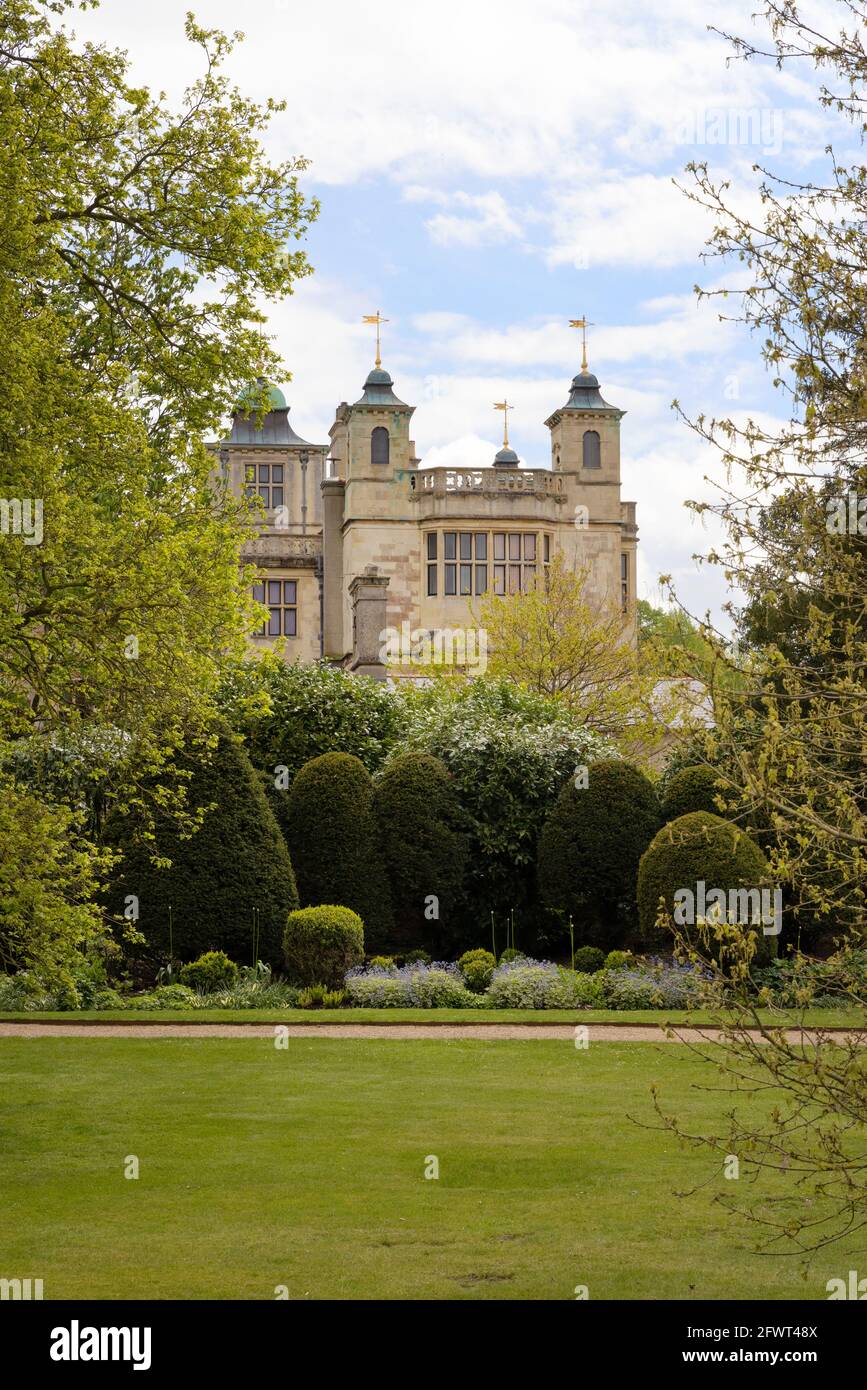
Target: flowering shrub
[(653, 985), (416, 986), (536, 984)]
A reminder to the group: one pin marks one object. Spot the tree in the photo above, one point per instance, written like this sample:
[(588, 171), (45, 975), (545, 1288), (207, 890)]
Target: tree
[(556, 640), (134, 244), (509, 751), (425, 844), (590, 846), (793, 735), (334, 845), (228, 885)]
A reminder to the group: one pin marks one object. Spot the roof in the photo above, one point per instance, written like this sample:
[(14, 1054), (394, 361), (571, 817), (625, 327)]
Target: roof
[(379, 389)]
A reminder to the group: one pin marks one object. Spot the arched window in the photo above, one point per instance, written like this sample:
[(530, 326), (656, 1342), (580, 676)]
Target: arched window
[(592, 455), (379, 445)]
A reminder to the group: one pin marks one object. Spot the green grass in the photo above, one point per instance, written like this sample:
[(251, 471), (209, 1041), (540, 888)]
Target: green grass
[(828, 1018), (263, 1167)]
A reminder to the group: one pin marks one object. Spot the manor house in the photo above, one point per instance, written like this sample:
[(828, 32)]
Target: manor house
[(359, 537)]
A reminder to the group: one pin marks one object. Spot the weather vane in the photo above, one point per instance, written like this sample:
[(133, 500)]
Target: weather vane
[(505, 406), (377, 319), (583, 324)]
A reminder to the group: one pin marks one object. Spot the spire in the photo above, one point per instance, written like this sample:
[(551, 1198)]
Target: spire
[(583, 324), (506, 457), (379, 321)]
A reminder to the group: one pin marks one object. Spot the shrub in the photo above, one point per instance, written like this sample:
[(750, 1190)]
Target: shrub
[(591, 844), (167, 997), (108, 999), (659, 986), (477, 967), (691, 789), (618, 960), (331, 834), (436, 986), (212, 971), (236, 861), (383, 962), (589, 959), (417, 958), (533, 984), (511, 954), (423, 836), (321, 943), (699, 847)]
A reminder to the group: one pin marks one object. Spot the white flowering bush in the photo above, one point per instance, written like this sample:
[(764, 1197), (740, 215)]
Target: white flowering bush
[(538, 984)]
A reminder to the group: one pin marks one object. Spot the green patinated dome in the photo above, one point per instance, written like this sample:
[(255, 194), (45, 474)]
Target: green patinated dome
[(252, 394)]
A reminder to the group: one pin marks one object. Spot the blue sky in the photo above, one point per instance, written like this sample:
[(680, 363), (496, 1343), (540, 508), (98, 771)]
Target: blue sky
[(488, 171)]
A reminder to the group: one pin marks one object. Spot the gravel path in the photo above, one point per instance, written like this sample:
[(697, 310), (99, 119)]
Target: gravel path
[(490, 1032)]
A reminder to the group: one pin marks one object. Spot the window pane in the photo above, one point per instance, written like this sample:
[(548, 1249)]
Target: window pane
[(274, 623), (276, 472), (249, 474), (547, 549), (529, 576), (449, 542), (624, 567), (431, 579), (273, 590), (451, 578), (499, 579), (514, 578), (514, 547), (259, 592), (276, 497), (466, 579), (481, 578), (466, 545), (530, 547), (289, 590), (432, 545), (290, 617), (481, 545), (264, 473), (499, 547), (265, 494), (251, 492)]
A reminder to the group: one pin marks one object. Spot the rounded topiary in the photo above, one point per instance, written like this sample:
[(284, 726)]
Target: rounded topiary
[(700, 852), (332, 837), (234, 865), (619, 960), (477, 967), (691, 789), (212, 971), (590, 846), (321, 943), (423, 837), (511, 954), (589, 959)]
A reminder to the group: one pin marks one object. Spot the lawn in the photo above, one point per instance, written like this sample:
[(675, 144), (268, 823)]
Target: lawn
[(304, 1167), (818, 1018)]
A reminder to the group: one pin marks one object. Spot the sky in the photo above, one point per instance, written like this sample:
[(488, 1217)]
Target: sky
[(490, 169)]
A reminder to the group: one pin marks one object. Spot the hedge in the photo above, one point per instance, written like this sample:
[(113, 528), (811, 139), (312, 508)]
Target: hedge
[(321, 943), (691, 789), (590, 847)]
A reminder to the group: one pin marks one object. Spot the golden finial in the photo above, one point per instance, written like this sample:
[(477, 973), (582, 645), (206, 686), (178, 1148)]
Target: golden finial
[(377, 319), (583, 324), (505, 406)]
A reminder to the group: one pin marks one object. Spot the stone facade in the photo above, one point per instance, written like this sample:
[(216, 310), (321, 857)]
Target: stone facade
[(360, 538)]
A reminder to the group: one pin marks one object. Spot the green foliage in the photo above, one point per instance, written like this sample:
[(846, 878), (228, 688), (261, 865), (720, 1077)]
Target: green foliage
[(591, 844), (698, 847), (213, 880), (477, 967), (292, 713), (510, 954), (318, 997), (618, 960), (423, 834), (48, 874), (589, 959), (417, 958), (382, 963), (509, 752), (331, 834), (691, 789), (321, 943), (212, 971)]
